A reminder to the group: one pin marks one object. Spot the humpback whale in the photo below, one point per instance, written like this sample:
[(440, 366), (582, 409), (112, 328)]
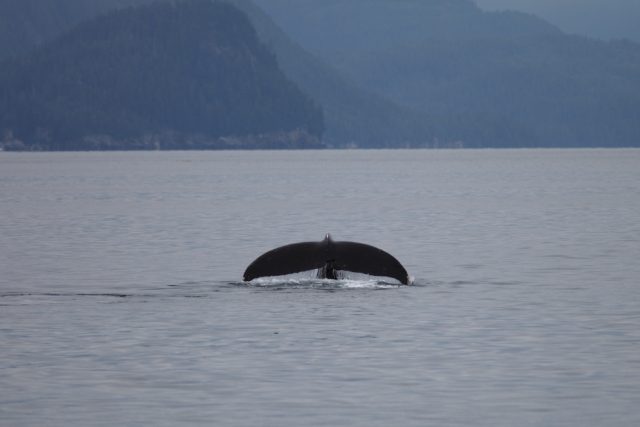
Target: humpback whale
[(327, 256)]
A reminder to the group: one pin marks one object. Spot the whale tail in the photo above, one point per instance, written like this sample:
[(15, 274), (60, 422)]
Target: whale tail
[(347, 256)]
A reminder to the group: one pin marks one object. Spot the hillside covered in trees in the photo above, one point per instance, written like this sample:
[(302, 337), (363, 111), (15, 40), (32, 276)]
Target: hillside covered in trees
[(190, 74), (352, 115)]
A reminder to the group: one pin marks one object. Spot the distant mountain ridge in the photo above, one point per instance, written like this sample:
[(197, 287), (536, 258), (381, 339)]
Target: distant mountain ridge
[(186, 75), (608, 20), (485, 78)]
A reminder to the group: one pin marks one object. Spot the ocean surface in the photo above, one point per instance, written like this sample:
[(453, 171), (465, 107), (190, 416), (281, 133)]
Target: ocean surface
[(122, 301)]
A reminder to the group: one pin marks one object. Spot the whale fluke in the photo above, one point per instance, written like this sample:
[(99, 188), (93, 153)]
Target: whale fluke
[(327, 256)]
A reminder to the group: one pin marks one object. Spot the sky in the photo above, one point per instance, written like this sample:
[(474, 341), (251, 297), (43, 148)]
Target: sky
[(604, 19)]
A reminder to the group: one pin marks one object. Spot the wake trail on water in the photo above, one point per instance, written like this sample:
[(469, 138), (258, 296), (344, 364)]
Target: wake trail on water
[(321, 284)]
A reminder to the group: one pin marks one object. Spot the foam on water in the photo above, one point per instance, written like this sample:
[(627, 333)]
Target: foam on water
[(322, 284)]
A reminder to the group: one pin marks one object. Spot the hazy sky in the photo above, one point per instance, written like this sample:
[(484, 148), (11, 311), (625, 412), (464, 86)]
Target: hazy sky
[(597, 18)]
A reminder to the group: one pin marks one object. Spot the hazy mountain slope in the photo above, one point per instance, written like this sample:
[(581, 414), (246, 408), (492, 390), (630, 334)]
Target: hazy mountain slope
[(352, 115), (337, 27), (569, 91), (478, 71), (194, 69)]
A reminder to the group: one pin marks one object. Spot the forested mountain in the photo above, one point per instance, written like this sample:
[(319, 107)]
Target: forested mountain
[(353, 116), (486, 78), (180, 75)]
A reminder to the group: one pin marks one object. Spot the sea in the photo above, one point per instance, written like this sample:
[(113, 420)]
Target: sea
[(122, 300)]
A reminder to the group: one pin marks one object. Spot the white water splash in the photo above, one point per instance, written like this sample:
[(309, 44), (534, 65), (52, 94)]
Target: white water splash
[(286, 282)]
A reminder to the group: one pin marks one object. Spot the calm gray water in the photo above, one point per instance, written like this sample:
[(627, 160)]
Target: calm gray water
[(121, 301)]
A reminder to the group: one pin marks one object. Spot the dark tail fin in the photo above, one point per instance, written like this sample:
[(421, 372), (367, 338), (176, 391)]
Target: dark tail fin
[(348, 256), (361, 258), (287, 260)]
